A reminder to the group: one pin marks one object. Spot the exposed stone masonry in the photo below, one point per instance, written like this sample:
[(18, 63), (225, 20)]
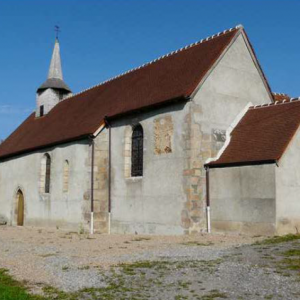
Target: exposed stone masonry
[(66, 177), (163, 135), (198, 148), (127, 151), (101, 160)]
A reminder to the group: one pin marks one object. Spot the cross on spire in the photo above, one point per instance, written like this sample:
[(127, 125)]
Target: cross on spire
[(57, 30)]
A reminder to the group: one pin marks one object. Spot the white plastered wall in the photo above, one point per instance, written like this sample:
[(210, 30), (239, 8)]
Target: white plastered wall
[(56, 209), (288, 189)]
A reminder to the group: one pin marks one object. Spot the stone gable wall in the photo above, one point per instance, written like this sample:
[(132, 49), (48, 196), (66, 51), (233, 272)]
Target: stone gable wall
[(232, 84)]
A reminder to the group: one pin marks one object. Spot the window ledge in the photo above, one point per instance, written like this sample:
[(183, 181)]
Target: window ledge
[(134, 179)]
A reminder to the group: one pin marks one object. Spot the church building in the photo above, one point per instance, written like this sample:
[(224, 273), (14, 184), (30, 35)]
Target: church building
[(132, 154)]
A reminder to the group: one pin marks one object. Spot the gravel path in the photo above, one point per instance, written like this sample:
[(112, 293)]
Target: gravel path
[(152, 267)]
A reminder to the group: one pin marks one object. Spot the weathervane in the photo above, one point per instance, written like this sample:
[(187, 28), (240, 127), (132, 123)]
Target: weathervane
[(57, 30)]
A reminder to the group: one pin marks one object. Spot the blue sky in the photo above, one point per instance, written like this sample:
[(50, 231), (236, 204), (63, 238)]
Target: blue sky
[(101, 39)]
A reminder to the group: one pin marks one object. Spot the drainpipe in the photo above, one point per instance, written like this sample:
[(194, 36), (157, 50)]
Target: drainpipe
[(109, 174), (92, 185), (207, 201)]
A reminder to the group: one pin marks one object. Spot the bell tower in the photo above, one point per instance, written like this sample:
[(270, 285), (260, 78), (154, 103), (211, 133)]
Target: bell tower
[(54, 89)]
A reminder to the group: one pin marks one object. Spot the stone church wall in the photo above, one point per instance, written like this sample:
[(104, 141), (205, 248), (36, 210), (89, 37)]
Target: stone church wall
[(58, 208), (178, 139), (231, 85), (152, 203)]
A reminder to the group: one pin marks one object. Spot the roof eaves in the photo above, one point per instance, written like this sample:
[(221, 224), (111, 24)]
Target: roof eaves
[(240, 164), (165, 103), (26, 151)]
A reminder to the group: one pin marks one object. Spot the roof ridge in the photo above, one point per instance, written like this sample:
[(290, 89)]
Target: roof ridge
[(280, 94), (285, 101), (159, 58)]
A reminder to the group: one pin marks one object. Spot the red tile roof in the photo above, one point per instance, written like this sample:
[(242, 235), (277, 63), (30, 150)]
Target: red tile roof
[(262, 135), (173, 76)]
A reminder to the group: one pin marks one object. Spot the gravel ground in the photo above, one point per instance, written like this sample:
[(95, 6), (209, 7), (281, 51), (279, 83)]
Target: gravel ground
[(151, 267)]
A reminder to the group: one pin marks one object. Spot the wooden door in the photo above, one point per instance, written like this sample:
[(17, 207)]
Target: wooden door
[(20, 221)]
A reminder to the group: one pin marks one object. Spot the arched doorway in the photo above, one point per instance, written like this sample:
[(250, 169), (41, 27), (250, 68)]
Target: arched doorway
[(20, 208)]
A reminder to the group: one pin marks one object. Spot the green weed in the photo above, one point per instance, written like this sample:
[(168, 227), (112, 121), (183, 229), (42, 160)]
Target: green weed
[(279, 239)]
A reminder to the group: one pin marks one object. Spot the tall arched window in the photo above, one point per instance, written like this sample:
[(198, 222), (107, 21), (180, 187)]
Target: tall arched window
[(47, 173), (137, 151), (66, 177)]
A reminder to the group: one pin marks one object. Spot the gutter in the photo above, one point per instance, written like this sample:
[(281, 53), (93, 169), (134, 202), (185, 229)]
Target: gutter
[(240, 164), (34, 149), (92, 184), (207, 201), (166, 103), (107, 123)]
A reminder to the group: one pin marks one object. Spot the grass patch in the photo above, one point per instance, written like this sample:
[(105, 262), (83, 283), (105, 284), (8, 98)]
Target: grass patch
[(193, 243), (279, 239), (140, 239), (291, 261), (292, 252), (180, 297), (11, 289), (290, 264), (213, 294), (138, 280)]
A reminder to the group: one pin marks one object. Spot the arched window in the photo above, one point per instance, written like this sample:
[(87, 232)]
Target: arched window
[(47, 173), (20, 208), (137, 151), (66, 177)]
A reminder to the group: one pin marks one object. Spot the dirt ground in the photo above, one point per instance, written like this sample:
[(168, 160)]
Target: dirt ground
[(151, 267)]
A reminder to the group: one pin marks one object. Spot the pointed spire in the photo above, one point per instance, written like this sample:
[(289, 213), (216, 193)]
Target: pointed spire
[(55, 75), (54, 89), (55, 70)]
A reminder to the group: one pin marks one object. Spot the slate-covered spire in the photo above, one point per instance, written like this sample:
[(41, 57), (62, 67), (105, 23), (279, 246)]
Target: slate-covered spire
[(54, 89), (55, 70), (55, 76)]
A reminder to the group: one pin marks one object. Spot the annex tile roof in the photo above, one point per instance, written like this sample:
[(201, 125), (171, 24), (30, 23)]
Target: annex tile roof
[(262, 135), (173, 76)]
